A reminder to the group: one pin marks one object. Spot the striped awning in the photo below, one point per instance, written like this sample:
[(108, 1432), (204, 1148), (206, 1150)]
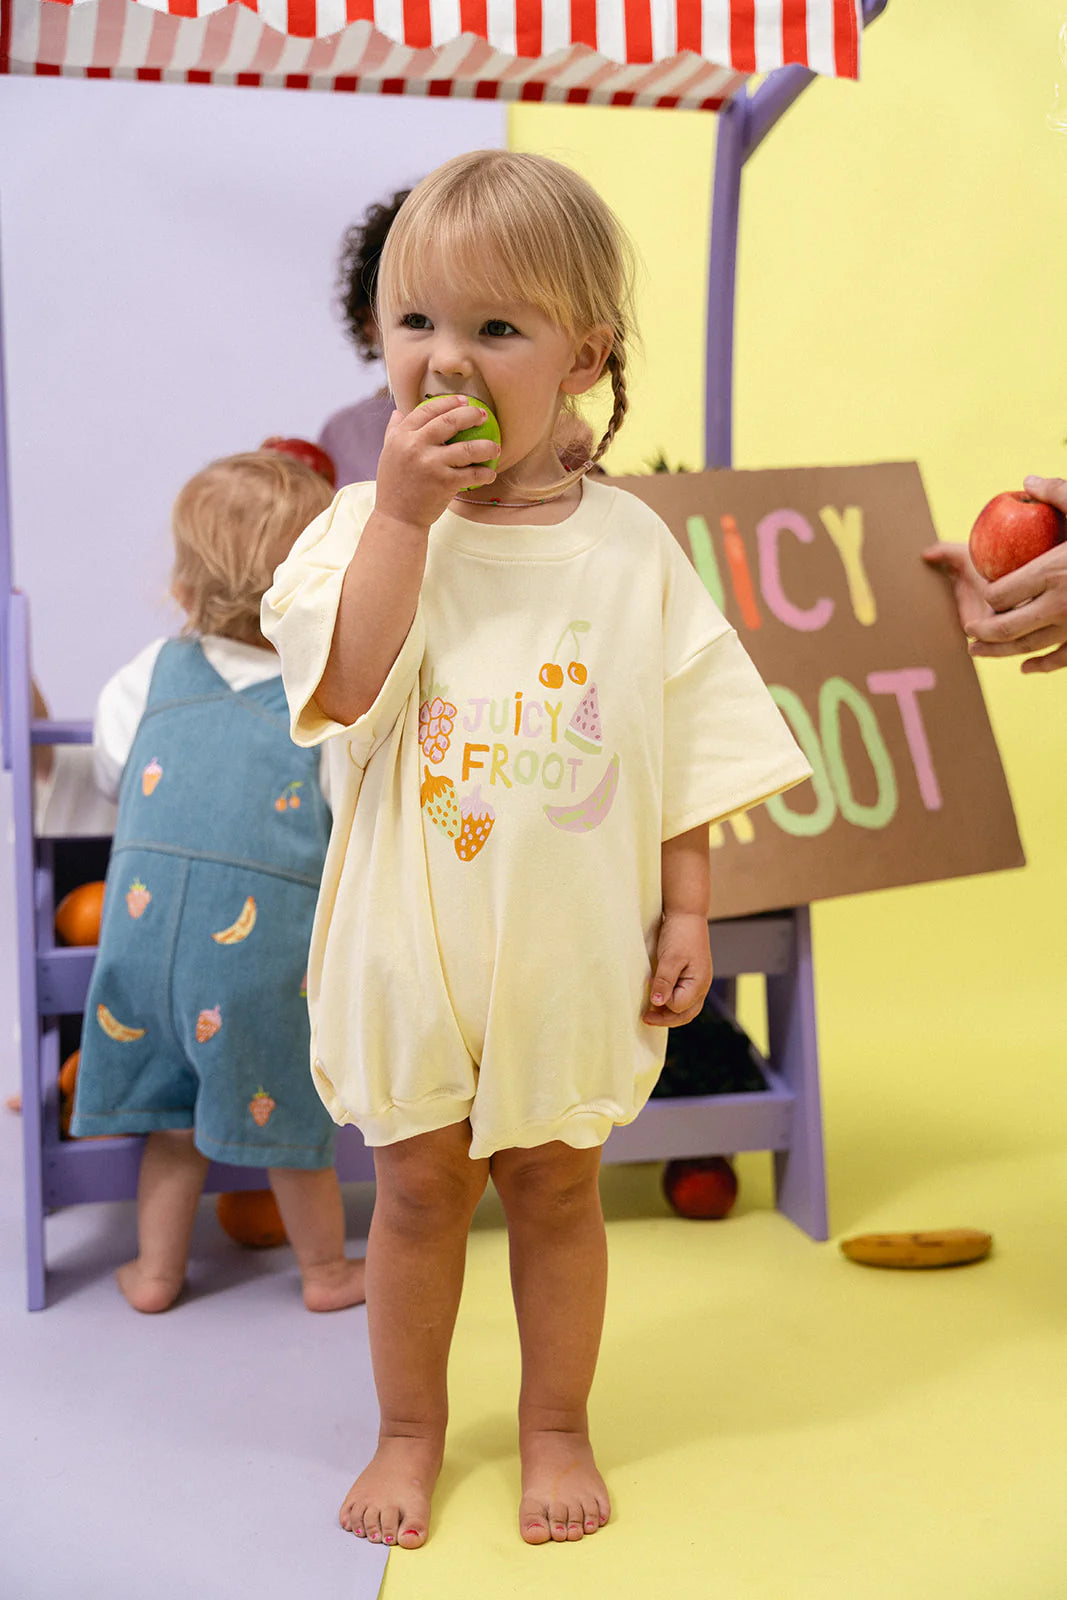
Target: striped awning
[(692, 54)]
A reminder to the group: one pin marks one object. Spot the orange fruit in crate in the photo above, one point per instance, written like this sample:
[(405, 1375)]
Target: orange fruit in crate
[(251, 1217), (78, 914), (68, 1075)]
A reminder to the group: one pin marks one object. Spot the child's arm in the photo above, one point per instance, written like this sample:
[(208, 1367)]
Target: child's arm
[(417, 478), (683, 954)]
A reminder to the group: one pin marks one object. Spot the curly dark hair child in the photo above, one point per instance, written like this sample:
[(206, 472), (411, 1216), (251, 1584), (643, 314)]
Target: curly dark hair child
[(357, 272)]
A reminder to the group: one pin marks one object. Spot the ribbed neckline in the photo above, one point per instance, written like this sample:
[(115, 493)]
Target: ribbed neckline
[(522, 542)]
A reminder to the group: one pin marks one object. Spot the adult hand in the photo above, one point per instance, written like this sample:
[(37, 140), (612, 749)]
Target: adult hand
[(1025, 611)]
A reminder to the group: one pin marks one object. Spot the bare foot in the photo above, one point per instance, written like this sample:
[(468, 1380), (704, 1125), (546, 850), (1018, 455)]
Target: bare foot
[(563, 1495), (147, 1291), (335, 1286), (389, 1503)]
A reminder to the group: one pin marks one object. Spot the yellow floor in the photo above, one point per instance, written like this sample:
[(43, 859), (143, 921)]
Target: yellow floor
[(776, 1422)]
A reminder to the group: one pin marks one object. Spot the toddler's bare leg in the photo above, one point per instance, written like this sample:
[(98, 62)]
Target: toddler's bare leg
[(314, 1217), (559, 1268), (168, 1188), (428, 1188)]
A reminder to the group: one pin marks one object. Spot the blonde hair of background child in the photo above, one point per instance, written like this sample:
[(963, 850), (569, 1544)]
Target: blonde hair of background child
[(233, 523), (516, 226)]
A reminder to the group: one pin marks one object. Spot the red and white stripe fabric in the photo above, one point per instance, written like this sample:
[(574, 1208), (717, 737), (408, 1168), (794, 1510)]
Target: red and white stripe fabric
[(692, 54)]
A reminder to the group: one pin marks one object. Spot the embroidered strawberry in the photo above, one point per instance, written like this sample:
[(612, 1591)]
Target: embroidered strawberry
[(261, 1105), (208, 1024), (478, 818), (436, 721), (137, 899), (438, 796)]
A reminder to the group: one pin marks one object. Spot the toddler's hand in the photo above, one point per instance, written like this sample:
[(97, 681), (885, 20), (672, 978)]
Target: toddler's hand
[(419, 471), (682, 976)]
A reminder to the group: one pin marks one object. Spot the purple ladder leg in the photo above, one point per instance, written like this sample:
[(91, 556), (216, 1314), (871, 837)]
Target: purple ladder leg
[(800, 1171), (17, 673)]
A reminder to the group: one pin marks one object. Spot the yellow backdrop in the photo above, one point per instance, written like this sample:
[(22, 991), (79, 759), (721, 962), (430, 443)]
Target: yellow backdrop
[(901, 295)]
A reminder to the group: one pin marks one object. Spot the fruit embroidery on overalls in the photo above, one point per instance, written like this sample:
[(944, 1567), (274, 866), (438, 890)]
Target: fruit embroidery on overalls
[(150, 776), (239, 930), (208, 1024), (260, 1107), (289, 799), (138, 899)]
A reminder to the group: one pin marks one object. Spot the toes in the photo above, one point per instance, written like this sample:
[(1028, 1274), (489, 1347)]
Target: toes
[(557, 1521), (533, 1524), (372, 1525), (390, 1524), (603, 1508), (411, 1536), (575, 1530), (590, 1518), (350, 1517)]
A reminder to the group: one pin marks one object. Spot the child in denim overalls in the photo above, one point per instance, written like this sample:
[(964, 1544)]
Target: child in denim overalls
[(196, 1028)]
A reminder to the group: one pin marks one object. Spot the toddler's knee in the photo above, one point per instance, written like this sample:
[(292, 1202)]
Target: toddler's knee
[(430, 1197), (546, 1188)]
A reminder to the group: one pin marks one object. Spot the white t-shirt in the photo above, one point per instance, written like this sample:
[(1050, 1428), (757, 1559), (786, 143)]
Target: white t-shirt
[(124, 697), (567, 698)]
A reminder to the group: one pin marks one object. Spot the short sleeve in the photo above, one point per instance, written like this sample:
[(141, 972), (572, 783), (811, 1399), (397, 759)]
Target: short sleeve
[(298, 617), (726, 746), (119, 710)]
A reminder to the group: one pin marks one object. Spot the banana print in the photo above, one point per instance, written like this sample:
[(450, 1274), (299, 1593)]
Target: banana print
[(115, 1029), (241, 928)]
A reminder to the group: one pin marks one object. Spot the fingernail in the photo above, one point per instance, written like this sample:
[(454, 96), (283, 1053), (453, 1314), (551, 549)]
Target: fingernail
[(657, 999), (1032, 478)]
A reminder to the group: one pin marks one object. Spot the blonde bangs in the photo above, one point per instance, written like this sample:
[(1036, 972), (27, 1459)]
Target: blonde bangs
[(514, 227)]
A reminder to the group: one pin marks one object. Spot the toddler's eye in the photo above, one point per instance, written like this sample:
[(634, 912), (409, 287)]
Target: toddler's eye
[(497, 328), (414, 319)]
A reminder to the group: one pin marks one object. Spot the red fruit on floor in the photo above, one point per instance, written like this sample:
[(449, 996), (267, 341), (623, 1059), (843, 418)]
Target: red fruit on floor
[(702, 1187), (1011, 530)]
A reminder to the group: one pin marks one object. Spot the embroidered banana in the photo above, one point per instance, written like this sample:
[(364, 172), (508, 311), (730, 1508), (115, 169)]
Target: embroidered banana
[(942, 1247), (116, 1029), (241, 928)]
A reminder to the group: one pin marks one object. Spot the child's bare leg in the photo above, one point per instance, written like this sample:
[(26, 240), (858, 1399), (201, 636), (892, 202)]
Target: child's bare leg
[(314, 1217), (428, 1188), (559, 1269), (168, 1188)]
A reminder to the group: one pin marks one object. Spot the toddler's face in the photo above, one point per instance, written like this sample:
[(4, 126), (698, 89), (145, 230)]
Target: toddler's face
[(448, 341)]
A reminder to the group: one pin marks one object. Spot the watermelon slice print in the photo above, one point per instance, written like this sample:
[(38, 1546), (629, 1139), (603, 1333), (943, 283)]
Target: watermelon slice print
[(584, 729)]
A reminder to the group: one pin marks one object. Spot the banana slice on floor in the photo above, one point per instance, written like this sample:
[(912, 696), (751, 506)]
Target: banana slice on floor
[(939, 1247)]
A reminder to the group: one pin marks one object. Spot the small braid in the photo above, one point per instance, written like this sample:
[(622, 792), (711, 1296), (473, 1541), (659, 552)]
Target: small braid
[(616, 365)]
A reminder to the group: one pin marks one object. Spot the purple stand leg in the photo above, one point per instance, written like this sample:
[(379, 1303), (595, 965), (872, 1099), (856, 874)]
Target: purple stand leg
[(16, 673), (800, 1172)]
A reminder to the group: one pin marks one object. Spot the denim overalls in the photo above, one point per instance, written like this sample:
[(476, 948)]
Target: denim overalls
[(196, 1014)]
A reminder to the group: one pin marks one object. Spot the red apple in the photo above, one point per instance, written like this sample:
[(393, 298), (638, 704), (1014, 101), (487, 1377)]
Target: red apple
[(303, 450), (703, 1187), (1013, 529)]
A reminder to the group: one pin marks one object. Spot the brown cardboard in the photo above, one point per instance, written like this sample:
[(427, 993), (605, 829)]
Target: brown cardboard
[(819, 571)]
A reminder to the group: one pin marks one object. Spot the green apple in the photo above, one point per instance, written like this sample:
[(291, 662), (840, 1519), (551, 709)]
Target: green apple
[(489, 429)]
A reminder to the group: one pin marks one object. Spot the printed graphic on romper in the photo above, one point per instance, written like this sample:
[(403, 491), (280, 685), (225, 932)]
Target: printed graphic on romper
[(551, 740)]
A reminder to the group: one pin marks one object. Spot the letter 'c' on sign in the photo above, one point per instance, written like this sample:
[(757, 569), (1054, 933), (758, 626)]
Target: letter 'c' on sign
[(805, 619)]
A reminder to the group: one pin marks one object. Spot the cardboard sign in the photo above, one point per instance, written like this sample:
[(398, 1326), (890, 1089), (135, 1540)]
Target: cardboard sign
[(819, 571)]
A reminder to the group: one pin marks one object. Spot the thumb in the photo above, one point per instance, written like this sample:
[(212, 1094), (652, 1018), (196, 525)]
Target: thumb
[(664, 979), (952, 558), (1052, 490)]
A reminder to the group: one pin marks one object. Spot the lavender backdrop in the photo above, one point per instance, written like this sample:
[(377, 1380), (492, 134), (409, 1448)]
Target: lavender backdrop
[(167, 275)]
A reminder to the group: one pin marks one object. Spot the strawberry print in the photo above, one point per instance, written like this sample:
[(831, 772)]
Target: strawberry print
[(260, 1106), (208, 1024), (478, 817), (438, 796), (436, 721), (137, 899)]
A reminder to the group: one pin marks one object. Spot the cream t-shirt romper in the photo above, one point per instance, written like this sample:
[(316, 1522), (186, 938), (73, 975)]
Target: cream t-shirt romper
[(567, 698)]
